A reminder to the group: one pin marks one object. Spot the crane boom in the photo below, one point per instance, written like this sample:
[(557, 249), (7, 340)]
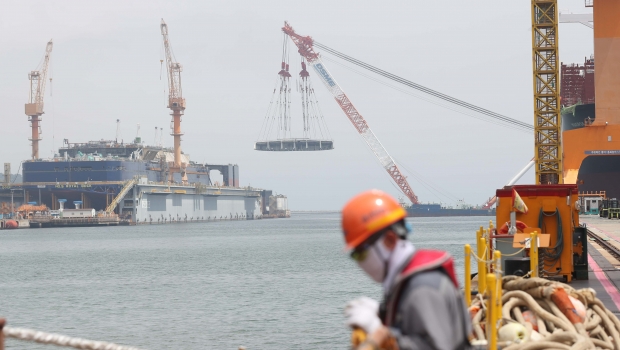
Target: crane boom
[(305, 46), (34, 107), (174, 69)]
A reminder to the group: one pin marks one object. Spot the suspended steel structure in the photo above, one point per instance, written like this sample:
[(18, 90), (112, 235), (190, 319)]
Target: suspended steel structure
[(278, 132), (306, 50), (547, 128)]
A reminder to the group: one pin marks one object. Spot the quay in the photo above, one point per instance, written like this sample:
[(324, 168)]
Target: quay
[(48, 221), (603, 260)]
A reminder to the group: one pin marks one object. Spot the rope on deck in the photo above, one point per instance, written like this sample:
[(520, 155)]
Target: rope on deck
[(61, 340), (556, 325)]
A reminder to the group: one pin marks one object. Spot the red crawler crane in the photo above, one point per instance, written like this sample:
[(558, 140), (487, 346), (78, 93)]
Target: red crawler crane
[(305, 46)]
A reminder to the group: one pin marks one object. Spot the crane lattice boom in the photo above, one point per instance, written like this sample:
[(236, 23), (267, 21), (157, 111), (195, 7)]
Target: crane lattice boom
[(34, 107), (547, 120), (305, 46), (175, 93)]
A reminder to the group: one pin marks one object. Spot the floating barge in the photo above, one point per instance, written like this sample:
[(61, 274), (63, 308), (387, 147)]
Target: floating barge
[(49, 221)]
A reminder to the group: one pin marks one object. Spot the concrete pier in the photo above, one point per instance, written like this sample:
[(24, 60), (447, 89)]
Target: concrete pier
[(603, 260)]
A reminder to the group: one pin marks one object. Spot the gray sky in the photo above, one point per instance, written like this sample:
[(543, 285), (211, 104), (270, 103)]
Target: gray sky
[(106, 66)]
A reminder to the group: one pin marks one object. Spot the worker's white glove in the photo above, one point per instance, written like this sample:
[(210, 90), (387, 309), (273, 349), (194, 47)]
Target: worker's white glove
[(363, 313)]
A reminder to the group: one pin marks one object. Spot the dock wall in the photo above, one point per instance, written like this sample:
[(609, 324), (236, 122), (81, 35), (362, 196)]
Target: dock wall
[(195, 206)]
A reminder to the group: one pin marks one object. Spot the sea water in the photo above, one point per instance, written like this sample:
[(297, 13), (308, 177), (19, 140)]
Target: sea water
[(263, 284)]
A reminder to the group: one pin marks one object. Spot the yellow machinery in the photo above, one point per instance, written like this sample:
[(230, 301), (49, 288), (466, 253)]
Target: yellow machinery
[(553, 207), (553, 210)]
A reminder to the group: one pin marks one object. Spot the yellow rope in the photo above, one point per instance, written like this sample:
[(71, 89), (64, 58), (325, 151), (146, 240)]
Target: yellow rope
[(515, 253), (481, 260)]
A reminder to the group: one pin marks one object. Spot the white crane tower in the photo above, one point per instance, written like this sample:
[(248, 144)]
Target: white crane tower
[(34, 107)]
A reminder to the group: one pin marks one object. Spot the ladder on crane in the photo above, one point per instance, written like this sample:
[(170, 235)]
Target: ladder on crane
[(128, 185)]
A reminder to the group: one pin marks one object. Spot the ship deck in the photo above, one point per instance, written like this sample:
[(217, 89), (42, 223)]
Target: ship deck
[(603, 261)]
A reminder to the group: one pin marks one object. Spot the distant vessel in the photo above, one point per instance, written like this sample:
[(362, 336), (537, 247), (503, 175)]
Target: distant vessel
[(438, 210)]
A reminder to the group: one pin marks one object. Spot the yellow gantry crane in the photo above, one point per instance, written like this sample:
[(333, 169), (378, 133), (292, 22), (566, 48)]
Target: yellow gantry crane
[(34, 107), (547, 120)]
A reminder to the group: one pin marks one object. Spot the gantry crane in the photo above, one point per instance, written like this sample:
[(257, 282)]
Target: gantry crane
[(34, 107), (176, 103), (547, 121), (306, 49)]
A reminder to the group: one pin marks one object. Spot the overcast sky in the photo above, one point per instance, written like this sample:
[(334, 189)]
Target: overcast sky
[(106, 66)]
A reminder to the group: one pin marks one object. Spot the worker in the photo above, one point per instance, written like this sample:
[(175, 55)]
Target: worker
[(422, 306)]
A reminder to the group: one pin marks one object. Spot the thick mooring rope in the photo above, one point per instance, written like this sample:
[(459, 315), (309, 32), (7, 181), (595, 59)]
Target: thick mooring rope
[(600, 330), (61, 340)]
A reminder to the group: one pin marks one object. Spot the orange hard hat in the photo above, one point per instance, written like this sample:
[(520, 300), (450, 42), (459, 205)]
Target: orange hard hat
[(368, 213)]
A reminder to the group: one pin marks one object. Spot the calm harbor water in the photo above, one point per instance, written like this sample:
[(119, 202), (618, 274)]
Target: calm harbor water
[(265, 284)]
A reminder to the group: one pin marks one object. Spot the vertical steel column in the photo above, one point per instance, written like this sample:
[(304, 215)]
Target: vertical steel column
[(547, 121), (135, 204), (491, 326), (35, 137), (467, 275), (534, 254)]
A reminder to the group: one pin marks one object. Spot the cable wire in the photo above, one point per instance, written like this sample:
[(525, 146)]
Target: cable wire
[(431, 100), (426, 90)]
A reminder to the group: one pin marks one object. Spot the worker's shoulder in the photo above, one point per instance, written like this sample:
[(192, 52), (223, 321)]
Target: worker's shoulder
[(434, 279)]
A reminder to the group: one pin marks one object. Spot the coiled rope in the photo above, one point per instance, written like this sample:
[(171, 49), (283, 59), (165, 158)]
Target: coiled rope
[(61, 340), (601, 328)]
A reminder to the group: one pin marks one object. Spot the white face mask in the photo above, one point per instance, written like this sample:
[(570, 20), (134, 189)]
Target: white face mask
[(375, 264)]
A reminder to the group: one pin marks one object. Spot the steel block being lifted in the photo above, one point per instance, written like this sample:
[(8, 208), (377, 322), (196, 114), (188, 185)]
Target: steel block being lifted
[(294, 145)]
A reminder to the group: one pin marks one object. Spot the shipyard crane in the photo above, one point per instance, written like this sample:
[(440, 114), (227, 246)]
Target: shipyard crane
[(176, 103), (306, 49), (547, 121), (34, 107)]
